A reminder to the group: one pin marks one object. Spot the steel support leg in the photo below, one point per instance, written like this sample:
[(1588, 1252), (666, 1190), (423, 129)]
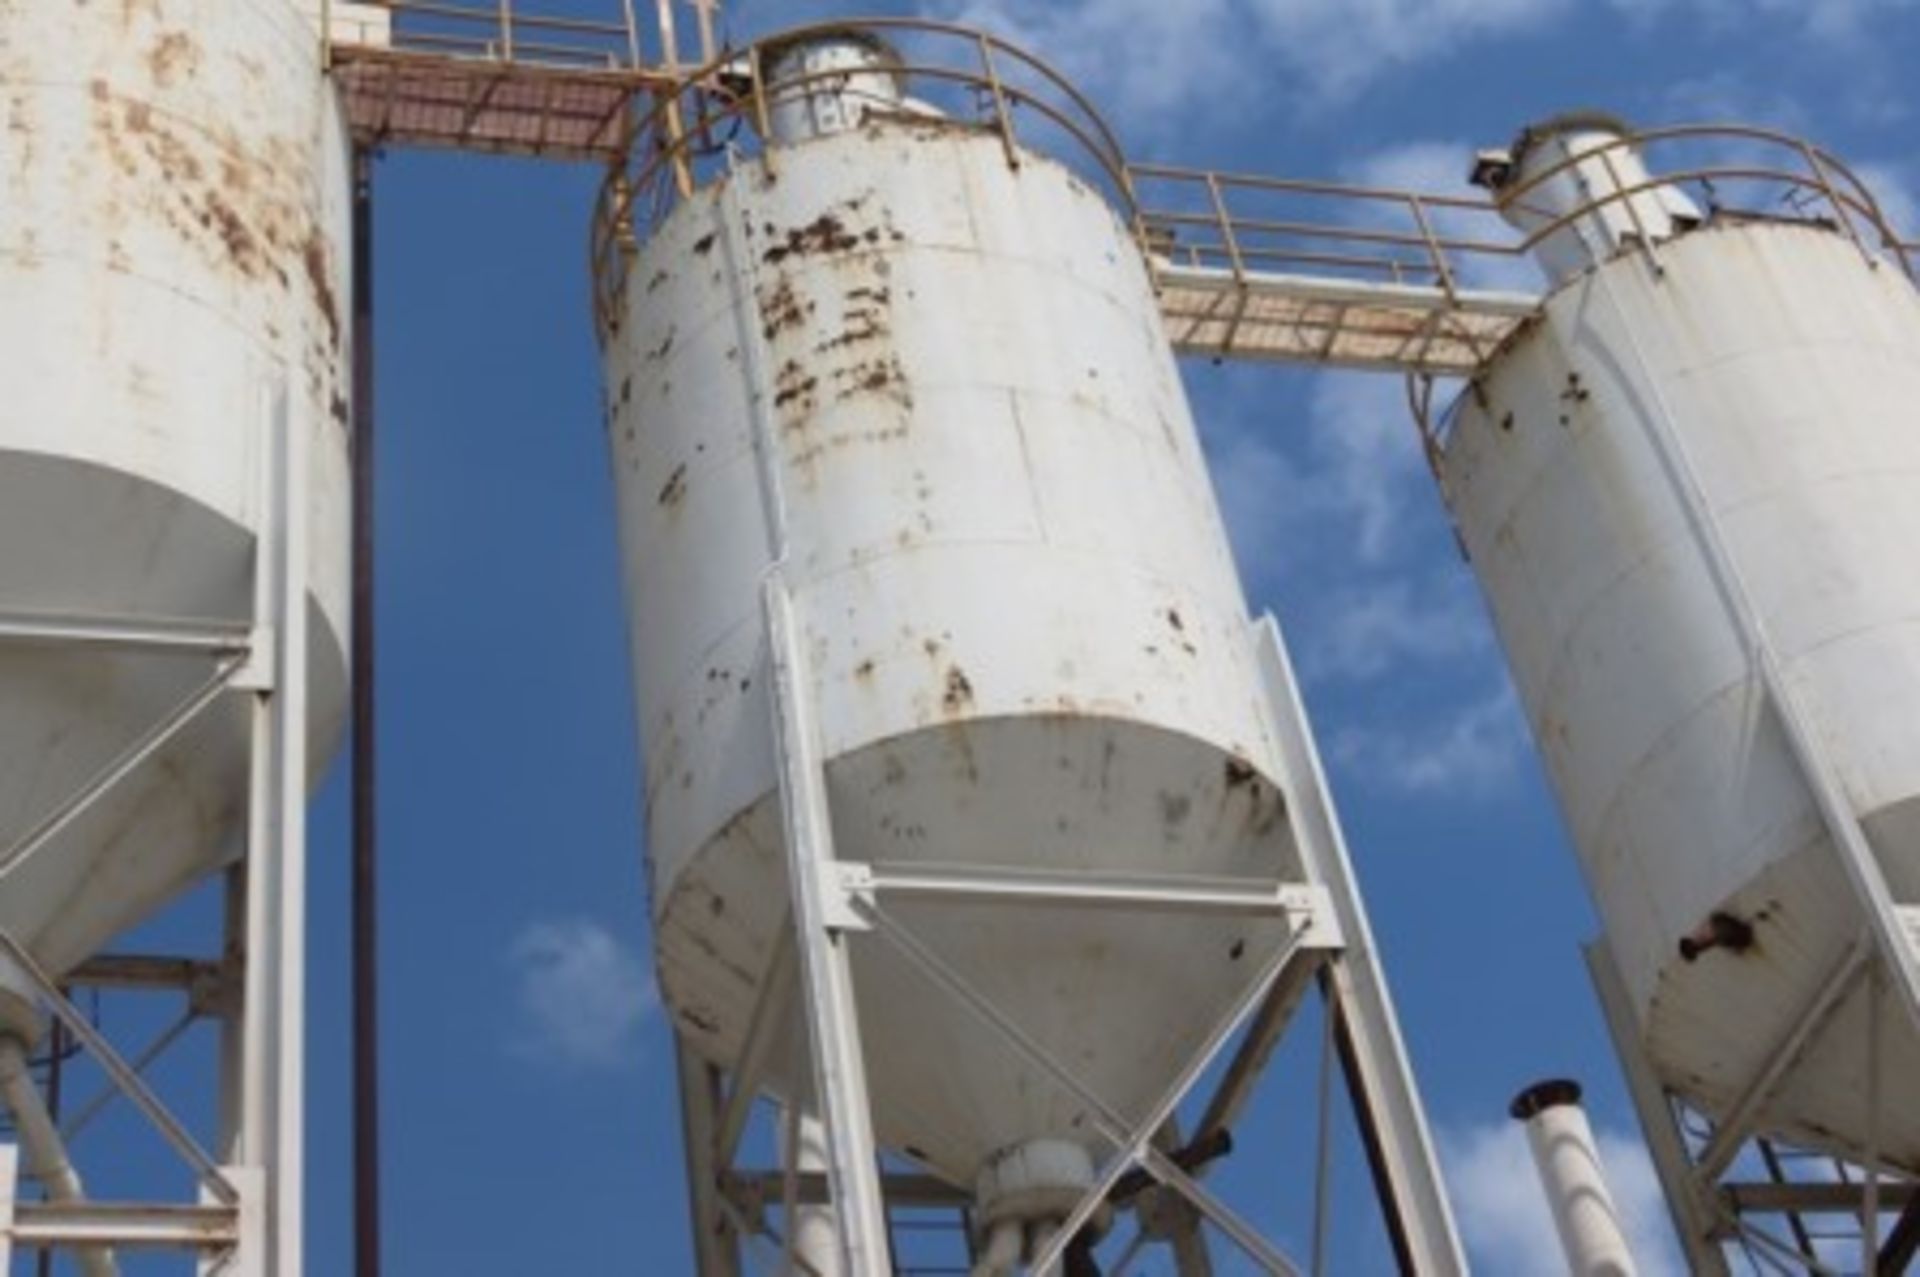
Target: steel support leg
[(840, 1074), (9, 1199), (271, 1036), (1407, 1168), (714, 1246)]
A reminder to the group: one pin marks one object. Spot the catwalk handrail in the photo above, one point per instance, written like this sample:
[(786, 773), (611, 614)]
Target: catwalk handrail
[(1202, 219), (498, 32), (1245, 226)]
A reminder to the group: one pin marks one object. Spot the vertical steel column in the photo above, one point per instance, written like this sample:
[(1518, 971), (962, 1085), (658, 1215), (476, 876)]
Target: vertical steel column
[(715, 1252), (1386, 1102), (230, 1057), (365, 889), (272, 1072), (840, 1073), (288, 1168)]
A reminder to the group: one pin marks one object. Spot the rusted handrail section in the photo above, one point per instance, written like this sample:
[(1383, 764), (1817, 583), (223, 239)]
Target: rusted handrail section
[(723, 109), (496, 31), (1245, 224)]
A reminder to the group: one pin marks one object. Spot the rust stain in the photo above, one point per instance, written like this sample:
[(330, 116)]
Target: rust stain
[(242, 245), (675, 488), (314, 257), (20, 125), (173, 58), (780, 309), (791, 385), (959, 690), (1180, 628), (825, 234)]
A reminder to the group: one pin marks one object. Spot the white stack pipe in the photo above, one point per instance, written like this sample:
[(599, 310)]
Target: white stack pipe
[(1568, 1160), (46, 1154)]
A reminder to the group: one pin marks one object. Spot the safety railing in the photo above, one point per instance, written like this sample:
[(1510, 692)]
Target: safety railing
[(1246, 225), (498, 31), (952, 75)]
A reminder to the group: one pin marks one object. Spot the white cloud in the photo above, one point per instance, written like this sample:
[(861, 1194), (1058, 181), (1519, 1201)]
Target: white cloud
[(1503, 1210), (1368, 630), (1342, 45), (1470, 752), (1143, 59), (581, 994), (1370, 459), (1330, 490), (1838, 20), (1435, 167), (1896, 185), (1139, 58)]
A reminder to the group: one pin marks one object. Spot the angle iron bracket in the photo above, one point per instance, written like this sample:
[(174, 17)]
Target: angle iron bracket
[(846, 895), (256, 672), (1310, 906)]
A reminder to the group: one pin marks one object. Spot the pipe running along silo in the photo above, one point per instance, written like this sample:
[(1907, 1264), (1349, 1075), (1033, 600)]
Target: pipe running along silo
[(921, 369), (173, 267), (1697, 466)]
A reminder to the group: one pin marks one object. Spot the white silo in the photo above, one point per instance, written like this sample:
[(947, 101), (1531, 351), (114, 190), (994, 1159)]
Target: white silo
[(1688, 490), (916, 373), (173, 278)]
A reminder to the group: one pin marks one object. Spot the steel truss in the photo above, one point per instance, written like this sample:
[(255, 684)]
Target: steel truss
[(1833, 1211), (1150, 1168), (247, 1222)]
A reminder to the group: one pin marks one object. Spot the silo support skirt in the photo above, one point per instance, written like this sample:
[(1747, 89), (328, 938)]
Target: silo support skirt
[(836, 905), (248, 1219)]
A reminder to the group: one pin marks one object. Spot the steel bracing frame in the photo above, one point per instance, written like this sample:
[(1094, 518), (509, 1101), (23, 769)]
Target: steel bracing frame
[(1699, 1161), (247, 1222), (837, 905)]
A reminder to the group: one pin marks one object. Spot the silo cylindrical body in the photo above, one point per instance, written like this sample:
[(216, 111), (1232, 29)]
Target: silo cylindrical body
[(1752, 381), (933, 384), (173, 249)]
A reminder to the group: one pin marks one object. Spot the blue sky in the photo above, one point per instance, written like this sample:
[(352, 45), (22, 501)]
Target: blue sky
[(531, 1121)]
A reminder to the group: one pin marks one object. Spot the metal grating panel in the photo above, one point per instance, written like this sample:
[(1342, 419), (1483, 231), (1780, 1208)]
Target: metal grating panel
[(515, 108), (1334, 322)]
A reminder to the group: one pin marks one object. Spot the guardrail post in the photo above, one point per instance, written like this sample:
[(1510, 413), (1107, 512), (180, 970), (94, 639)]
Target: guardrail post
[(1835, 202), (1231, 242), (762, 110), (1000, 111), (1631, 200), (1441, 269)]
